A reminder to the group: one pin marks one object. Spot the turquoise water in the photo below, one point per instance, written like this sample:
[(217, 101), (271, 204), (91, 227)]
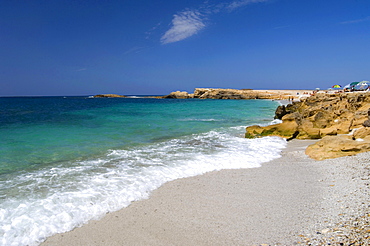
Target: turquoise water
[(66, 160)]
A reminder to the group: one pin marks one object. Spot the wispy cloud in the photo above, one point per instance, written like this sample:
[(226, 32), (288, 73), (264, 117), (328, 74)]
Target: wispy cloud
[(135, 49), (150, 32), (189, 22), (184, 25), (240, 3), (283, 27), (356, 21), (81, 69)]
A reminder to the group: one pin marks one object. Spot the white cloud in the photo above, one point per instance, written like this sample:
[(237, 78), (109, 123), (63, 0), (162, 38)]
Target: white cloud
[(189, 22), (184, 25), (356, 21), (240, 3)]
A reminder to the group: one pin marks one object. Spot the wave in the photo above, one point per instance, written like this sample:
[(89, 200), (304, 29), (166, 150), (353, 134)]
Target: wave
[(191, 119), (49, 201)]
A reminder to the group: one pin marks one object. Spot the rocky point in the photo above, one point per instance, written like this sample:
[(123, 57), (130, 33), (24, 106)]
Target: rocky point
[(340, 120)]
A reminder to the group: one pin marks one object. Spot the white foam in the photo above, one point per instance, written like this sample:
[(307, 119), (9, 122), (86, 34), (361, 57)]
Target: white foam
[(275, 121), (194, 119), (59, 199)]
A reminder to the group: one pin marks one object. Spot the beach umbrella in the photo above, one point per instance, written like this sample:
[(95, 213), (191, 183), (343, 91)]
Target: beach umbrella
[(336, 86), (347, 86)]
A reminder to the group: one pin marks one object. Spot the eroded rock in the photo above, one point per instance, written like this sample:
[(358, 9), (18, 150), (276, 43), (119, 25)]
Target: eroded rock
[(219, 93), (337, 146), (322, 114), (179, 95), (329, 117)]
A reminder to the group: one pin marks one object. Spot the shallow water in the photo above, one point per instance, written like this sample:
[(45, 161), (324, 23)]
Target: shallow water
[(64, 161)]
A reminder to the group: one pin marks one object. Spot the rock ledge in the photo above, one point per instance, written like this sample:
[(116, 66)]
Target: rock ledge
[(339, 120)]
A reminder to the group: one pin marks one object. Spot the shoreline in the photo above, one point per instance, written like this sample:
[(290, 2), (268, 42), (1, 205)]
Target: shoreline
[(219, 93), (292, 199)]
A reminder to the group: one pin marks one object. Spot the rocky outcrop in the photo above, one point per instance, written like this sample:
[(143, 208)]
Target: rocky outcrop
[(288, 129), (337, 146), (179, 95), (205, 93), (326, 117), (367, 122), (107, 96), (210, 93)]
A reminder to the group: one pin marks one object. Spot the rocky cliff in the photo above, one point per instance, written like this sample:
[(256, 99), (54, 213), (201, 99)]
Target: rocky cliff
[(205, 93), (210, 93), (339, 120)]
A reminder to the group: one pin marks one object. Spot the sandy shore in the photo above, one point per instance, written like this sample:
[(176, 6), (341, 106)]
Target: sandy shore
[(291, 200)]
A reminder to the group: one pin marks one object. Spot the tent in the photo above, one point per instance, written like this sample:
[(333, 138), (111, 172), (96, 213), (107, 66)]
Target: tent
[(362, 86), (350, 85), (336, 86)]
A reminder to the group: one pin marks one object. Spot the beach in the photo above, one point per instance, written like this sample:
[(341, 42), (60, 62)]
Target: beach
[(68, 161), (290, 200)]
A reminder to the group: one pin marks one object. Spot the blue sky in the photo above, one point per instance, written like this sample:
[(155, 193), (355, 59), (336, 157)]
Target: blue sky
[(143, 47)]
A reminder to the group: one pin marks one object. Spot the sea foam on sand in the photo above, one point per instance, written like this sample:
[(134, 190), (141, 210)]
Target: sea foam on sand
[(289, 200), (89, 189)]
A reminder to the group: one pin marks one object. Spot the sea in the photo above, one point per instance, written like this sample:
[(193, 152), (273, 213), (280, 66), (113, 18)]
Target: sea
[(67, 160)]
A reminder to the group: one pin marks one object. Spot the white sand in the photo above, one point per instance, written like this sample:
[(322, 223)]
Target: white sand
[(273, 204)]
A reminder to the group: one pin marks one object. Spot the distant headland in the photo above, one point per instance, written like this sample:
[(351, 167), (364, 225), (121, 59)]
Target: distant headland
[(108, 96), (212, 93)]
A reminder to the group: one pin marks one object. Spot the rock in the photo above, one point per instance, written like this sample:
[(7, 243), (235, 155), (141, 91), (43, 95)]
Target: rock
[(366, 123), (326, 116), (205, 93), (179, 95), (307, 130), (107, 96), (280, 112), (361, 133), (254, 131), (211, 93), (345, 126), (328, 131), (336, 146), (324, 231), (322, 118), (287, 129)]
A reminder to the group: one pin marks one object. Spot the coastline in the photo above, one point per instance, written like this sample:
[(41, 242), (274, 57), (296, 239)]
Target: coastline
[(289, 200), (218, 93)]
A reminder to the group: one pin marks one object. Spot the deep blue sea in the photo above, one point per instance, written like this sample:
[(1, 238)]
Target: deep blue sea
[(67, 160)]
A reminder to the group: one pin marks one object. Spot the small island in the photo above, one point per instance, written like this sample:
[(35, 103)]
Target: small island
[(108, 96)]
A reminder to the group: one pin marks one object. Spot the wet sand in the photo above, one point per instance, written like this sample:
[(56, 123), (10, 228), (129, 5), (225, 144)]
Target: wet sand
[(290, 200)]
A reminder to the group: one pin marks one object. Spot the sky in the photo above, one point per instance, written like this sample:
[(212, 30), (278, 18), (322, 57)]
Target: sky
[(146, 47)]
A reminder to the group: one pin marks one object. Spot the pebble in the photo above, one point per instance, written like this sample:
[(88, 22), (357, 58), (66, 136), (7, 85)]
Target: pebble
[(349, 223)]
